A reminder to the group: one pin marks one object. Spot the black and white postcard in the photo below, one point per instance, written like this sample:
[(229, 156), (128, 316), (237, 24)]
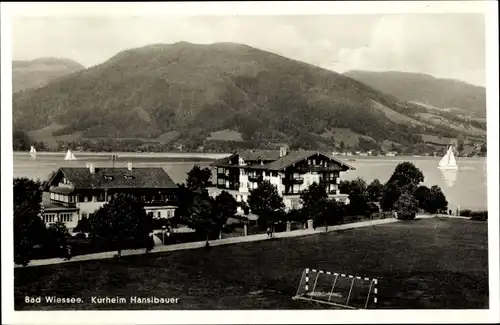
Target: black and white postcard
[(250, 162)]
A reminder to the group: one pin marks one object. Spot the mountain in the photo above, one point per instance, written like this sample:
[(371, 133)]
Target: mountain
[(39, 72), (445, 94), (195, 95)]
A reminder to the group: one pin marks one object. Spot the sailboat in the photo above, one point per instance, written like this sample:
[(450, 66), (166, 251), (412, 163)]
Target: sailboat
[(69, 155), (448, 161), (32, 152)]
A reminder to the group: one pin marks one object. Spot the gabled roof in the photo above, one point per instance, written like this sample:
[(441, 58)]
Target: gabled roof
[(277, 163), (82, 178), (295, 156)]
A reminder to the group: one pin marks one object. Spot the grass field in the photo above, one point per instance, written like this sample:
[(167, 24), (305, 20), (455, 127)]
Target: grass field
[(425, 263)]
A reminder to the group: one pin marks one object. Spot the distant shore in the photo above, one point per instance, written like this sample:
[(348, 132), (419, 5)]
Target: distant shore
[(123, 156)]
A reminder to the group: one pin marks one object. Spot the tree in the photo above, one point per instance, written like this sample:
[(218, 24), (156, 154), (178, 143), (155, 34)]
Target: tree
[(198, 179), (266, 202), (358, 197), (314, 202), (345, 187), (225, 207), (436, 201), (56, 239), (374, 191), (29, 228), (422, 195), (335, 212), (296, 215), (200, 214), (83, 225), (406, 206), (121, 220), (390, 194), (185, 198), (406, 174)]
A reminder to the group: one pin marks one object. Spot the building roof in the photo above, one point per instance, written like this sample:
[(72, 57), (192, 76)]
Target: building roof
[(277, 163), (54, 207), (63, 190), (82, 178)]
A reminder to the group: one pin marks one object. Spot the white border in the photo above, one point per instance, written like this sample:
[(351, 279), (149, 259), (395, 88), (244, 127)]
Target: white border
[(489, 8)]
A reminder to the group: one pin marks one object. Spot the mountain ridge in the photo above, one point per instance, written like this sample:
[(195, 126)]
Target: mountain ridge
[(196, 90), (443, 93), (27, 74)]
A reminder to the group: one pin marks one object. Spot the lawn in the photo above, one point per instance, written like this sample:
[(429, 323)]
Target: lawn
[(427, 263)]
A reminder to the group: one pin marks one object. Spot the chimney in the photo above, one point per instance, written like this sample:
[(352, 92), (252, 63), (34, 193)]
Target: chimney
[(129, 166), (91, 168), (283, 151)]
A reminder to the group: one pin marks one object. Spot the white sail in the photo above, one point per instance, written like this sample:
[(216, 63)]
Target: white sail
[(448, 161), (452, 161), (69, 156)]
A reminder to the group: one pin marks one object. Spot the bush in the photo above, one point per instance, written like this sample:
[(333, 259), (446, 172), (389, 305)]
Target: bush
[(465, 213), (479, 215)]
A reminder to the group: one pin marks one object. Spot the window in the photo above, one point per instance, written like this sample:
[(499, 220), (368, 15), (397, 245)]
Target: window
[(274, 174), (84, 215), (108, 178), (85, 198), (150, 214), (129, 177), (66, 217), (94, 198), (220, 170), (52, 195), (49, 218), (159, 214)]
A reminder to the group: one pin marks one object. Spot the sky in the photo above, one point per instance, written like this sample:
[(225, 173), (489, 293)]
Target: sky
[(442, 45)]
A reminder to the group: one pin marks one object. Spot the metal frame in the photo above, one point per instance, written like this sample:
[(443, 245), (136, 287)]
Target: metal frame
[(307, 295)]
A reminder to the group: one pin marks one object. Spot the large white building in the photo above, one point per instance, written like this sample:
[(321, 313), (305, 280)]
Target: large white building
[(291, 173), (77, 192)]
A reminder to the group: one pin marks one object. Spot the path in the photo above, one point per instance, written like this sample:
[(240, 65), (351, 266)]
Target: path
[(218, 242)]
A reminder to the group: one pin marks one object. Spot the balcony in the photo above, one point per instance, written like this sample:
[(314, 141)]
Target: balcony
[(63, 204), (158, 203), (319, 168), (255, 178), (295, 180)]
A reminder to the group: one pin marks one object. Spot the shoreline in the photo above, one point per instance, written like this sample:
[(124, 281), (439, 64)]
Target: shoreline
[(218, 155)]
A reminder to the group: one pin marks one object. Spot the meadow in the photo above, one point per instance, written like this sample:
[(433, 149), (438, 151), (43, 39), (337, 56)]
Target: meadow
[(420, 264)]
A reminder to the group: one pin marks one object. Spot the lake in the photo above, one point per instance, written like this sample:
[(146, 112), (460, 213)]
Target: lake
[(465, 187)]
